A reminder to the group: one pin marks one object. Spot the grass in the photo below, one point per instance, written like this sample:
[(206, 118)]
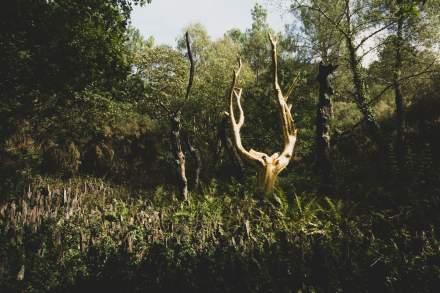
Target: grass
[(85, 235)]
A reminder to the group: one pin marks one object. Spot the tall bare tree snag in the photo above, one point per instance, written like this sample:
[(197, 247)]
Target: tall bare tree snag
[(195, 154), (191, 68), (176, 127), (179, 156), (323, 133), (267, 167), (194, 151)]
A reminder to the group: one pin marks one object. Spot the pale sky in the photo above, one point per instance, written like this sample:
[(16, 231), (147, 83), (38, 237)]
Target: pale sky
[(165, 19)]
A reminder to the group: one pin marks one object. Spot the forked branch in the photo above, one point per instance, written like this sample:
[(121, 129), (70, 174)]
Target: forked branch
[(235, 94), (268, 167), (286, 116)]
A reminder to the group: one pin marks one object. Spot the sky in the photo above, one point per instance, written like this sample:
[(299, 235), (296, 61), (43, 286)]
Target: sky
[(166, 19)]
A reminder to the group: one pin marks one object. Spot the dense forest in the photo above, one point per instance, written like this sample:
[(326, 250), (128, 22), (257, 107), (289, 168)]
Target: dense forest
[(306, 160)]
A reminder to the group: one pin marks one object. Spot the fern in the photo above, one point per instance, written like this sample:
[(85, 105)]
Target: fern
[(335, 208)]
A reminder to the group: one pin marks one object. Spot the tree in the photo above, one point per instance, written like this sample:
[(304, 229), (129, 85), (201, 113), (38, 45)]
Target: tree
[(176, 128), (54, 46), (61, 61), (267, 167), (323, 131), (412, 21), (203, 110), (255, 43), (355, 22)]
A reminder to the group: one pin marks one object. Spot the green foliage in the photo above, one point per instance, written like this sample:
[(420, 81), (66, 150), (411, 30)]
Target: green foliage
[(64, 65), (63, 45), (86, 234)]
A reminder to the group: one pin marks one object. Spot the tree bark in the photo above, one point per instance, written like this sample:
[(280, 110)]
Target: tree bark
[(399, 144), (359, 85), (195, 153), (266, 178), (324, 114), (361, 95), (179, 156)]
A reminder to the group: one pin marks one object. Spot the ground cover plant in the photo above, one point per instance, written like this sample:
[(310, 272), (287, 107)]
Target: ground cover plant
[(85, 235)]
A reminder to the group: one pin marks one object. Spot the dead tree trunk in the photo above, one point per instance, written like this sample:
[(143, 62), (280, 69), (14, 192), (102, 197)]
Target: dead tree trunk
[(323, 135), (176, 127), (179, 156), (195, 153), (267, 167)]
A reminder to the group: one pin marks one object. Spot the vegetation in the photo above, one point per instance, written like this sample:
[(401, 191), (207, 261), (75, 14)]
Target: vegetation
[(121, 171), (85, 235)]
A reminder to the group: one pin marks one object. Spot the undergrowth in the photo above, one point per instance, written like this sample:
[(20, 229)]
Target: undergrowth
[(84, 236)]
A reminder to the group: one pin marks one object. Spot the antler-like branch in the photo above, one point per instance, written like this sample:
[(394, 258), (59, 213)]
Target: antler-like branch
[(235, 94), (287, 122), (268, 167)]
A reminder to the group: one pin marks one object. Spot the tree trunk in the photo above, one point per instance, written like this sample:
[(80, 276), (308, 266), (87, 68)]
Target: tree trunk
[(359, 84), (399, 144), (266, 178), (178, 154), (361, 95), (195, 153), (323, 135)]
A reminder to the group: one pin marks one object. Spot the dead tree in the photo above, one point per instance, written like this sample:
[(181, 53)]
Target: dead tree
[(323, 134), (179, 155), (195, 154), (267, 167), (176, 134), (194, 151)]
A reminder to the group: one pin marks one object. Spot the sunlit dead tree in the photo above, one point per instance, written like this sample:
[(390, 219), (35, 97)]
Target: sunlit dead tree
[(267, 167)]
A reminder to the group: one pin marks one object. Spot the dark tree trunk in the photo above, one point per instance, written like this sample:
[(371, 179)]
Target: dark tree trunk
[(178, 154), (323, 135), (399, 144), (195, 153)]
